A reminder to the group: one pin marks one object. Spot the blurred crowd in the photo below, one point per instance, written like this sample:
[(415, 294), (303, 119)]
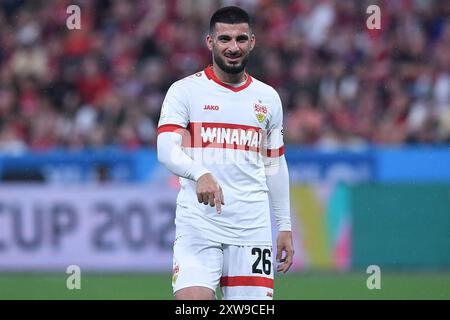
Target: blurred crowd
[(342, 84)]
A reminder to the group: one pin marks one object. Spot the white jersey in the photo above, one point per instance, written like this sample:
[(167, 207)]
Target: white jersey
[(230, 131)]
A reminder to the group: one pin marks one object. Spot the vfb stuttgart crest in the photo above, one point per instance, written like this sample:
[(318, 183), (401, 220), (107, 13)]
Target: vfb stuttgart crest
[(260, 111)]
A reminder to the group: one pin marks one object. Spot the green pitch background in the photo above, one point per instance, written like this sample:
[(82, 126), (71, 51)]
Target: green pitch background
[(294, 286)]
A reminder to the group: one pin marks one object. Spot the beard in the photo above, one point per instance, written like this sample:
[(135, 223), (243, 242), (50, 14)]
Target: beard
[(231, 69)]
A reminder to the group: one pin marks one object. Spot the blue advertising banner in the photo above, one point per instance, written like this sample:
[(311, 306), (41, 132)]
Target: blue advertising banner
[(63, 166), (306, 165), (314, 166)]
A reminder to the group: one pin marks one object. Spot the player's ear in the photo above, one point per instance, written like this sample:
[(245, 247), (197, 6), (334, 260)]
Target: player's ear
[(209, 41), (252, 42)]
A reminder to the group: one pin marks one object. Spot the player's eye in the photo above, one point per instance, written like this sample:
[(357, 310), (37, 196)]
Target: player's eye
[(224, 39), (242, 39)]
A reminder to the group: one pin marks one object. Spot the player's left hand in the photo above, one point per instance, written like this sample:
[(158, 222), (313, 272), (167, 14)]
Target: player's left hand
[(284, 244)]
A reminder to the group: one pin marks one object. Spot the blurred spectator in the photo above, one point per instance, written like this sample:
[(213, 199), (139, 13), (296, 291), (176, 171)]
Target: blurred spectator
[(342, 85)]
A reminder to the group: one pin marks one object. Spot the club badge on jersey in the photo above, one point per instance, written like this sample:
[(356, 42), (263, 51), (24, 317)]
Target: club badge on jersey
[(260, 111)]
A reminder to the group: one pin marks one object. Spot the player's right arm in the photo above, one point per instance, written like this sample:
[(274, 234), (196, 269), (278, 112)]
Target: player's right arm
[(171, 128)]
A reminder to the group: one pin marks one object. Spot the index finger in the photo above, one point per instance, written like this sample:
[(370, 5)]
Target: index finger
[(218, 202)]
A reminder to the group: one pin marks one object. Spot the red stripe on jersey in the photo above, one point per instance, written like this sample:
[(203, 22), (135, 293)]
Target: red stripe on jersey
[(228, 136), (246, 281), (275, 152), (224, 125), (211, 76), (221, 135), (169, 128)]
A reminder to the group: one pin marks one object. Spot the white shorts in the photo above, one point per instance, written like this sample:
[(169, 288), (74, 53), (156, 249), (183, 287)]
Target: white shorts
[(243, 272)]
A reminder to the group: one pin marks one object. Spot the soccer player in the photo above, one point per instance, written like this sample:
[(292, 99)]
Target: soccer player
[(220, 131)]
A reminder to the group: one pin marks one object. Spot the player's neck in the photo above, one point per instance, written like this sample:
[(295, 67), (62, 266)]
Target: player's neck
[(228, 77)]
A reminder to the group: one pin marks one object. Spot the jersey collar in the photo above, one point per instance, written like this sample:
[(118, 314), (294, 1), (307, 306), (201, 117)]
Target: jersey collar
[(211, 76)]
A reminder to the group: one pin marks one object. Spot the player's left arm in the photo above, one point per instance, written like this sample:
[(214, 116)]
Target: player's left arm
[(278, 184), (277, 179)]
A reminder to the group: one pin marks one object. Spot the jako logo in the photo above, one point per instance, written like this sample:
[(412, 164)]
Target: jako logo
[(211, 107)]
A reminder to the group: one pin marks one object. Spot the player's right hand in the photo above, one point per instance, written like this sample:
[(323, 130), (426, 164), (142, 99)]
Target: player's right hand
[(209, 192)]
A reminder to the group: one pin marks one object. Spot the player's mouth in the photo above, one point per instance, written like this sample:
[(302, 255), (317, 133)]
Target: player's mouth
[(233, 58)]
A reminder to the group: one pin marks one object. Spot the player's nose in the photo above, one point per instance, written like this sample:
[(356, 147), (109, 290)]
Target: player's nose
[(234, 47)]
